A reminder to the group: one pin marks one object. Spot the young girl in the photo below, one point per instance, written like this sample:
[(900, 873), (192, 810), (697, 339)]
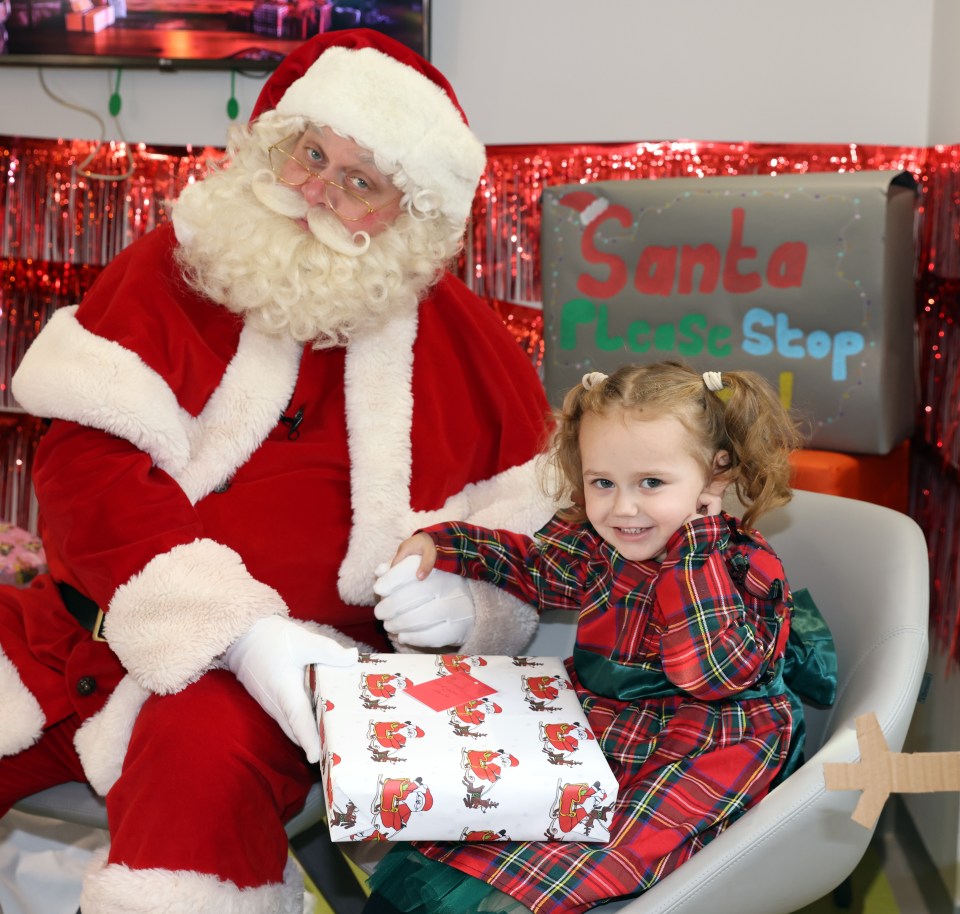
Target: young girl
[(684, 618)]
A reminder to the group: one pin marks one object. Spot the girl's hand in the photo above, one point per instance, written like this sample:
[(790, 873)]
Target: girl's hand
[(710, 504), (707, 505), (421, 606), (419, 544)]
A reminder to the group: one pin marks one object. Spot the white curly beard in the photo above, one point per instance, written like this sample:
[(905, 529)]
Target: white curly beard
[(242, 246)]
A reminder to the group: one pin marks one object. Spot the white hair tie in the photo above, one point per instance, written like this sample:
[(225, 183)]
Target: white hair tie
[(592, 378), (713, 380)]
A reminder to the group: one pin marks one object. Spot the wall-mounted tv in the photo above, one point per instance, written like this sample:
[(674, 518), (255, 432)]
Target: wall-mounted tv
[(191, 34)]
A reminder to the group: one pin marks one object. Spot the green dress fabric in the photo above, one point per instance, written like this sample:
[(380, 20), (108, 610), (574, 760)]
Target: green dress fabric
[(418, 885), (809, 671)]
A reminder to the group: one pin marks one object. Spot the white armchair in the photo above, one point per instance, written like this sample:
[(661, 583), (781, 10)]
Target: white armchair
[(867, 569)]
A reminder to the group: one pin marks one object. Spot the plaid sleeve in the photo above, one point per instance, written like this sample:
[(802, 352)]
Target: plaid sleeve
[(716, 638), (544, 572)]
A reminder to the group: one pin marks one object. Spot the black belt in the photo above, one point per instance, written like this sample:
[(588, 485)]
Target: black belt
[(83, 609)]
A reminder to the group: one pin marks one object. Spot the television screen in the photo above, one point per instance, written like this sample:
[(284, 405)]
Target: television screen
[(184, 34)]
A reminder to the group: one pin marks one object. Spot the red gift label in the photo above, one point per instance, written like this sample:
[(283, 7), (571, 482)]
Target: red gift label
[(447, 692)]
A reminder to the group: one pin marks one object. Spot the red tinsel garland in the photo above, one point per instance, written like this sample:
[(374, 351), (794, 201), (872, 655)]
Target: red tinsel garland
[(60, 225)]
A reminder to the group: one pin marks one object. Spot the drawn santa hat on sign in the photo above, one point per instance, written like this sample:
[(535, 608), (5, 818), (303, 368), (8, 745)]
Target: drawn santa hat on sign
[(378, 92), (588, 204)]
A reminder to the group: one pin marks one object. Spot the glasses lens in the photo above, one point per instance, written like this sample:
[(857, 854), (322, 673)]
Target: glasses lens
[(288, 168), (345, 203)]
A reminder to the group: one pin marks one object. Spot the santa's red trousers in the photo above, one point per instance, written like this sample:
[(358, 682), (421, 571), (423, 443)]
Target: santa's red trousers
[(207, 783)]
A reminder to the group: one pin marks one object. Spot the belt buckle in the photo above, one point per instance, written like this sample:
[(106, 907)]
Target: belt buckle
[(98, 627)]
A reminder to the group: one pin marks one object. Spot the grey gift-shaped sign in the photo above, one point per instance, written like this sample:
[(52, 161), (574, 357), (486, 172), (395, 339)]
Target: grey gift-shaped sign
[(806, 279)]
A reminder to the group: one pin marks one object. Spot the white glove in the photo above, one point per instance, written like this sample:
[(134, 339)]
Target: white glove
[(269, 660), (435, 612)]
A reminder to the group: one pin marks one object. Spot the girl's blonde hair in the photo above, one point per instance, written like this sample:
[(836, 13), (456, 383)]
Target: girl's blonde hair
[(744, 418)]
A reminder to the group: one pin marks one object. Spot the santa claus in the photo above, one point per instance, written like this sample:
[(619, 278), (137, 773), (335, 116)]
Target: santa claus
[(396, 800), (574, 804), (250, 409)]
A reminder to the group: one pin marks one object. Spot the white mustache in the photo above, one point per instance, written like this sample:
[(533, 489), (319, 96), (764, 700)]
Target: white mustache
[(323, 224), (284, 201), (329, 231)]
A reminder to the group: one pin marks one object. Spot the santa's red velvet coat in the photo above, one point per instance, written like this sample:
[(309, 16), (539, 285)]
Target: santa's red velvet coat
[(176, 493)]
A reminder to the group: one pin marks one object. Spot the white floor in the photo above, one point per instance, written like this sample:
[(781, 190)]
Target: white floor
[(42, 863)]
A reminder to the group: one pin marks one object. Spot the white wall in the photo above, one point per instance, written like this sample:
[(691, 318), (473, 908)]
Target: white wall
[(945, 74), (620, 70), (606, 71)]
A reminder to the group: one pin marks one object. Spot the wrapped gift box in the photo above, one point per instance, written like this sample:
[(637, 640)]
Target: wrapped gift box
[(95, 19), (268, 18), (451, 747), (30, 14)]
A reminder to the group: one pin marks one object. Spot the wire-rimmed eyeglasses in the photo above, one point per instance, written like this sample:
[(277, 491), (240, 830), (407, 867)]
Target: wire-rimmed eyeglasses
[(294, 172)]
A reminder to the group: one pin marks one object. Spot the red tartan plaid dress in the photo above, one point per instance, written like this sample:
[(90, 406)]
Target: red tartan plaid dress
[(678, 667)]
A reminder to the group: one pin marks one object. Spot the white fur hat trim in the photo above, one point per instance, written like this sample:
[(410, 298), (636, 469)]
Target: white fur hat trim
[(397, 113)]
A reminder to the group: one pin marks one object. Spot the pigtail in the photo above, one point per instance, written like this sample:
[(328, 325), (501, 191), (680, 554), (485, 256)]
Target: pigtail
[(563, 479), (761, 434)]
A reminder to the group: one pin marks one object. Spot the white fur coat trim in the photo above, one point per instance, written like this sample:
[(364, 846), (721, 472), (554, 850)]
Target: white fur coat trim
[(378, 378), (379, 398), (243, 410), (116, 889), (71, 373), (381, 461), (102, 740), (21, 717), (206, 585)]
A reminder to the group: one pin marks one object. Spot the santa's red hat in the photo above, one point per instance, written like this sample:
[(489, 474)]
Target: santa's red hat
[(375, 90)]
